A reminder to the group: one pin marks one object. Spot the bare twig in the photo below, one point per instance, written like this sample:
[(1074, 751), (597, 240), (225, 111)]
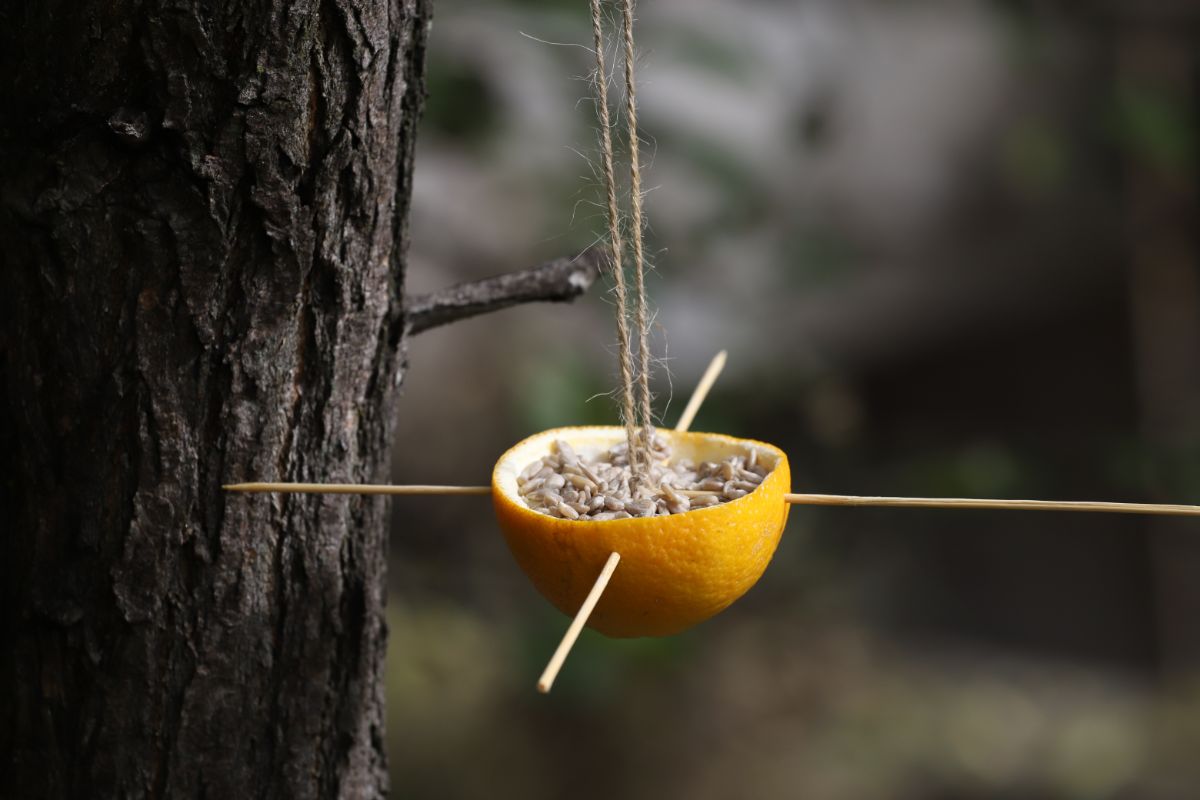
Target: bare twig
[(560, 280)]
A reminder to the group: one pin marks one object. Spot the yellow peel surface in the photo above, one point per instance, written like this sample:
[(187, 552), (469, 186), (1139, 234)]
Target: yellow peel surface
[(675, 571)]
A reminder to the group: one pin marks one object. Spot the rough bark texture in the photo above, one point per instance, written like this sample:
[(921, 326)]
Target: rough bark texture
[(202, 228)]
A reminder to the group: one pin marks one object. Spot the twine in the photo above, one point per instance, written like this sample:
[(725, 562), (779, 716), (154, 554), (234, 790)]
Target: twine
[(635, 197), (628, 413), (639, 457)]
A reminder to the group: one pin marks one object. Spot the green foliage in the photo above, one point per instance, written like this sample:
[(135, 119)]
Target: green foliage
[(980, 470), (461, 107), (552, 393), (577, 8), (598, 667), (816, 256), (714, 55), (1159, 472), (1155, 126), (1036, 157)]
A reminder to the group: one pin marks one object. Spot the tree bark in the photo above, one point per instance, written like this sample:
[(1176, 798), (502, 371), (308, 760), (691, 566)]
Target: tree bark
[(203, 230)]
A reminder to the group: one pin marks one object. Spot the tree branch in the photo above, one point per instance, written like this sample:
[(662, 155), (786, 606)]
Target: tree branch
[(558, 281)]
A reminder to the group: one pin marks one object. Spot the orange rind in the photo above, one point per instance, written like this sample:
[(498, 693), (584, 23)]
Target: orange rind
[(677, 570)]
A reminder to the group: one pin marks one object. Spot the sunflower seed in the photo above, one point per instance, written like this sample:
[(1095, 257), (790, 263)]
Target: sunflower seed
[(732, 492), (581, 482), (640, 508), (600, 487), (566, 453)]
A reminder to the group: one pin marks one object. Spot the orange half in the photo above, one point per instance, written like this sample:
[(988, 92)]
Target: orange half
[(675, 571)]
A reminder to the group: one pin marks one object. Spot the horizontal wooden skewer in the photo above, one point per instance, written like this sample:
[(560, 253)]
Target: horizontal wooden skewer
[(710, 375), (1103, 507), (1004, 505), (353, 488)]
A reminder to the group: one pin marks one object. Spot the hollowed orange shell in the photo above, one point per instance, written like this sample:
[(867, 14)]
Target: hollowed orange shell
[(675, 571)]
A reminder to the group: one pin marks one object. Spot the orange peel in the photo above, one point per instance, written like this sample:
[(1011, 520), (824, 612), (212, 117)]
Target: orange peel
[(677, 570)]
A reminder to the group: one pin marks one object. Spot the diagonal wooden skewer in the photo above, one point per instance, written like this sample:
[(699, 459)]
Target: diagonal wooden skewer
[(581, 617), (701, 392)]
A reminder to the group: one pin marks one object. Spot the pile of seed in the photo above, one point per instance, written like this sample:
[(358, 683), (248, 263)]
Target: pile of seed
[(564, 485)]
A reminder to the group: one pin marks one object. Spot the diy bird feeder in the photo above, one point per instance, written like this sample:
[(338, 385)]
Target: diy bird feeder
[(677, 566)]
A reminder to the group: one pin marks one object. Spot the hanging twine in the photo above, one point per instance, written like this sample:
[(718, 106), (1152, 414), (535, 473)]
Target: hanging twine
[(616, 248), (635, 198), (639, 458)]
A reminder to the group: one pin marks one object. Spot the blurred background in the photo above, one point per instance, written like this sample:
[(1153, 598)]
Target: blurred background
[(952, 249)]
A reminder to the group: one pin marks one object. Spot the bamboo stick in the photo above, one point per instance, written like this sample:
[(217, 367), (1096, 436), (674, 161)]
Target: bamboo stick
[(353, 488), (685, 421), (1164, 509), (701, 391), (1008, 505), (568, 641), (581, 617)]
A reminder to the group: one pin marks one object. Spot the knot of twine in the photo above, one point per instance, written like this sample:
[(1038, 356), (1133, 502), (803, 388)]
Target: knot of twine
[(639, 446)]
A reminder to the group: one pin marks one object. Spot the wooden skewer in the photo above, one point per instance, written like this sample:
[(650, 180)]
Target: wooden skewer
[(1166, 509), (706, 381), (1010, 505), (353, 488), (685, 421), (568, 640), (581, 617), (1104, 507)]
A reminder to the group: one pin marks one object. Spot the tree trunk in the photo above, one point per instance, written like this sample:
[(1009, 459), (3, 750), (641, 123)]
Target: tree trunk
[(203, 227)]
